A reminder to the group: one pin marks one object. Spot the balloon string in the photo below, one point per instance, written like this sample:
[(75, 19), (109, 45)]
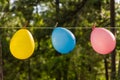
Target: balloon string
[(54, 27), (94, 26), (25, 24), (56, 24)]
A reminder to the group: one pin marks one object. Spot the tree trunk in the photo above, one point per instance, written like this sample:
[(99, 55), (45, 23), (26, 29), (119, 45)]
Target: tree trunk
[(119, 70), (58, 75), (29, 70), (112, 23), (57, 11), (1, 68), (106, 68)]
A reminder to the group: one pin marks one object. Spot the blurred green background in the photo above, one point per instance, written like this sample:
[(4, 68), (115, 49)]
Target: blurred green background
[(83, 63)]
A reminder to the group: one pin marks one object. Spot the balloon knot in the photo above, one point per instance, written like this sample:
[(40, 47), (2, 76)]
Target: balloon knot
[(93, 27)]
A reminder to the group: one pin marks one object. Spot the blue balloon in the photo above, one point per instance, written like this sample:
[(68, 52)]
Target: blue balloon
[(63, 40)]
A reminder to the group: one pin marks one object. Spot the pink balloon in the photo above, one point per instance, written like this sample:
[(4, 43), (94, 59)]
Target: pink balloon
[(102, 40)]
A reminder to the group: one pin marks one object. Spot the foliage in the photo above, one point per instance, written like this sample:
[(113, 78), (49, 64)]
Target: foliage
[(47, 64)]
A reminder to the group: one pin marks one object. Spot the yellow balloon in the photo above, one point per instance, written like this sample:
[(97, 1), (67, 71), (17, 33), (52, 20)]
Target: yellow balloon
[(22, 44)]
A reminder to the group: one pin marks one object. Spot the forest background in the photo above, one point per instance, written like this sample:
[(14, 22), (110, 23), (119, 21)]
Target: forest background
[(41, 16)]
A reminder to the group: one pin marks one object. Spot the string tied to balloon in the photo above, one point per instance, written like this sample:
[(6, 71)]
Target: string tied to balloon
[(94, 26), (56, 24), (26, 24)]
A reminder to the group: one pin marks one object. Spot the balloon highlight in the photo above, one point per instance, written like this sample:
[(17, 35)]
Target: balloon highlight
[(22, 44), (63, 40)]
